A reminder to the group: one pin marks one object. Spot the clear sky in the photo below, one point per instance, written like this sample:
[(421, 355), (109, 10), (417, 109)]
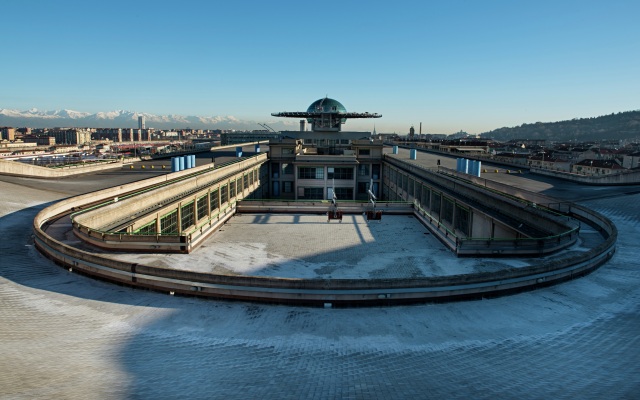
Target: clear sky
[(452, 65)]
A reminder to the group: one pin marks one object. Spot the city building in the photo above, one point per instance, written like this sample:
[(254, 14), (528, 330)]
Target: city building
[(326, 161), (631, 160), (230, 138), (71, 136), (596, 167), (8, 133), (39, 140)]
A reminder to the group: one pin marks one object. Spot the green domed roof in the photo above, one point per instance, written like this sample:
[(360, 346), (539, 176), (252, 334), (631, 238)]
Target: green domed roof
[(326, 105)]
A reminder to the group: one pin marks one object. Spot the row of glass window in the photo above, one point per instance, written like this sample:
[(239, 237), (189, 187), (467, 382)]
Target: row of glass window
[(169, 222), (446, 209), (332, 173)]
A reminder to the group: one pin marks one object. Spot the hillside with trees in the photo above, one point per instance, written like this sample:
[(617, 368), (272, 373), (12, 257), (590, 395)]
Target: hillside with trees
[(623, 125)]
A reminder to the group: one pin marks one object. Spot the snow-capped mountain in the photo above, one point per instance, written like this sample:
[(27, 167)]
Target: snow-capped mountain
[(35, 118)]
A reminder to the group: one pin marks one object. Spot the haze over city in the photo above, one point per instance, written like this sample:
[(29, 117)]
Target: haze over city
[(471, 66)]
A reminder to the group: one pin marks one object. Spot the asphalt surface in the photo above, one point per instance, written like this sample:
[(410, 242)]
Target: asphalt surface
[(67, 336)]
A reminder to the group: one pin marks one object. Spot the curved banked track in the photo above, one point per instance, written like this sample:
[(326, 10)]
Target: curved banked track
[(318, 291)]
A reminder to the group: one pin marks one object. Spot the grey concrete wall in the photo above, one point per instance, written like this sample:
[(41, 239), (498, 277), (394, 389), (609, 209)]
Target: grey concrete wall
[(111, 214), (16, 168), (481, 226), (514, 237), (461, 190), (631, 178), (92, 225)]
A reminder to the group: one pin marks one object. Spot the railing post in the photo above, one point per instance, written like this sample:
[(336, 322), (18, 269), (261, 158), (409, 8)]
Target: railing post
[(179, 216)]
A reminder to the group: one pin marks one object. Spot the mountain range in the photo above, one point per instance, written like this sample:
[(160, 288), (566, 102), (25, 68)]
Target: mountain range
[(35, 118), (617, 126)]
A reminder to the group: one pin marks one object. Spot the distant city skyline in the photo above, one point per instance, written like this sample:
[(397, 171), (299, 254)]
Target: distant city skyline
[(471, 66)]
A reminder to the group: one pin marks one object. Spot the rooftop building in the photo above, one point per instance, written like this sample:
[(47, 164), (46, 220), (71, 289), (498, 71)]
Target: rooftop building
[(325, 162)]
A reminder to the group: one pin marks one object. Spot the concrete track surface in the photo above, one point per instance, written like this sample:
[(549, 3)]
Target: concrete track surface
[(67, 336)]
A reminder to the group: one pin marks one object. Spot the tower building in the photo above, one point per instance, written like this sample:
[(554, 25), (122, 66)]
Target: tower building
[(325, 162)]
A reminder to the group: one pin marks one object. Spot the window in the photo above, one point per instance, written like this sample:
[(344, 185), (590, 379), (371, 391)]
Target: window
[(447, 210), (375, 171), (435, 203), (187, 218), (363, 187), (311, 173), (287, 151), (274, 170), (313, 193), (287, 169), (224, 192), (363, 170), (340, 173), (343, 193), (232, 189), (148, 229), (214, 200), (426, 197), (287, 187), (169, 222), (245, 180), (364, 152), (462, 219), (202, 207)]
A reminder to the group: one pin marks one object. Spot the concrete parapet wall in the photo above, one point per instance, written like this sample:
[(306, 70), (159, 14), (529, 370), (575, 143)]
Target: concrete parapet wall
[(16, 168), (498, 203), (155, 197), (630, 178), (320, 206), (318, 291)]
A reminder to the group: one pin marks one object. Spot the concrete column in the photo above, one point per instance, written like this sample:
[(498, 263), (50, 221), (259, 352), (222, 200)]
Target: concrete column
[(454, 215), (158, 226), (195, 209), (354, 182), (219, 197), (179, 215), (209, 203), (295, 182)]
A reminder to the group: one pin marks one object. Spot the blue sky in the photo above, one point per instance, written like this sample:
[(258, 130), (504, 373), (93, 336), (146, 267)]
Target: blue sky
[(452, 65)]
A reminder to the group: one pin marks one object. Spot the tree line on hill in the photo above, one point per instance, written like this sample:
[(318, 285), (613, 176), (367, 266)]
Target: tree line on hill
[(620, 126)]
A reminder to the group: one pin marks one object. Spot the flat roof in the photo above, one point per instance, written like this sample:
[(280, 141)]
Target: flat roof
[(307, 246)]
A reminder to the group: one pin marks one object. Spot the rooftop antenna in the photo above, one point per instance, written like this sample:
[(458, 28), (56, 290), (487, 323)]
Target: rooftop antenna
[(267, 127)]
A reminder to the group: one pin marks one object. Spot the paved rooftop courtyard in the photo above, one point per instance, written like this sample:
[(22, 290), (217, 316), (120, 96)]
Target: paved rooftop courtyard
[(306, 246)]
